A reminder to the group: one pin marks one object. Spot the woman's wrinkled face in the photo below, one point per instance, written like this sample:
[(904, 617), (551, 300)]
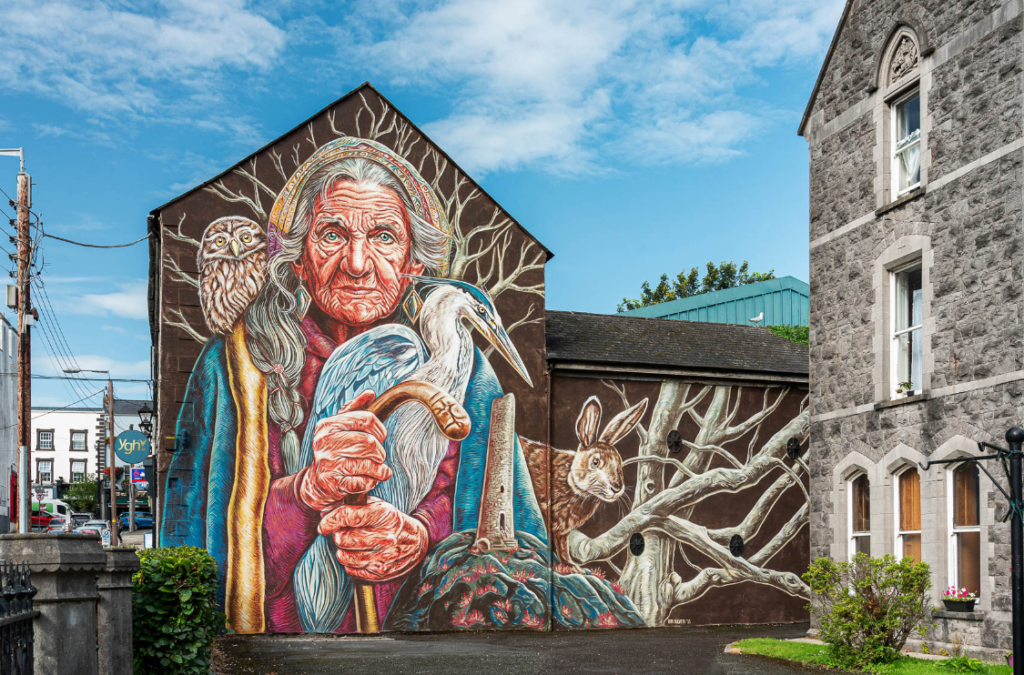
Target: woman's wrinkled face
[(357, 249)]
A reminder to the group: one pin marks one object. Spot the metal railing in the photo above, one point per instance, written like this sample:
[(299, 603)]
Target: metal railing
[(16, 617)]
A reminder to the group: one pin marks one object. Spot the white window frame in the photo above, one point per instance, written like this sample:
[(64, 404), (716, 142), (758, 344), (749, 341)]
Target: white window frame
[(84, 472), (41, 444), (851, 536), (894, 155), (898, 548), (894, 335), (48, 472), (85, 440), (954, 563)]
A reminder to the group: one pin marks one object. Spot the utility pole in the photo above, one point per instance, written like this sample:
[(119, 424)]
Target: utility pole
[(24, 197), (114, 539)]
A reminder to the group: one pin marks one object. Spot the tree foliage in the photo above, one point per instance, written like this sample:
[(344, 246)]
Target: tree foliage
[(687, 284), (868, 607), (174, 611), (82, 495)]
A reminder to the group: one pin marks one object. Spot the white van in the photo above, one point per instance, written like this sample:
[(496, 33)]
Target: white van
[(56, 507)]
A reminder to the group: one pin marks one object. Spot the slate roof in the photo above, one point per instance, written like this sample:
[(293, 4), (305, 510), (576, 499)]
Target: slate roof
[(127, 406), (625, 340)]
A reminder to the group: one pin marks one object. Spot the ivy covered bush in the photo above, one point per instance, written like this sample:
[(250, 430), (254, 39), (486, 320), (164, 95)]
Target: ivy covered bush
[(869, 607), (174, 611)]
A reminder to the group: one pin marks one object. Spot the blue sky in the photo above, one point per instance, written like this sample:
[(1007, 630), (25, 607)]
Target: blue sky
[(631, 137)]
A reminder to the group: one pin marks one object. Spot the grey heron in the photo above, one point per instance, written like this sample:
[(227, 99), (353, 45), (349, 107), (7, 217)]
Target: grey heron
[(378, 359)]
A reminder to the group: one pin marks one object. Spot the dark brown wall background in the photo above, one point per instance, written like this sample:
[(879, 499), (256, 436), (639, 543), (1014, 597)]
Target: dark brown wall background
[(742, 603), (178, 351)]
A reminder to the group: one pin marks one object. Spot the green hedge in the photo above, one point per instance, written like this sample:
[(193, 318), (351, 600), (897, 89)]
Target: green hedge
[(174, 611)]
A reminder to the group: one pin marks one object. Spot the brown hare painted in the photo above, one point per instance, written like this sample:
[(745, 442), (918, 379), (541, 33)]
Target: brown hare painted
[(583, 478)]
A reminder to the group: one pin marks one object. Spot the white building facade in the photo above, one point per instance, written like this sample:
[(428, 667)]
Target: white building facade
[(8, 423), (64, 441)]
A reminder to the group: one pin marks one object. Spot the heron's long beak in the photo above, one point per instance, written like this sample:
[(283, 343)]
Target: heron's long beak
[(501, 342), (235, 248)]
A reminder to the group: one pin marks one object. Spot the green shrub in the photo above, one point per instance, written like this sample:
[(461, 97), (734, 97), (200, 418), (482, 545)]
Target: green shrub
[(798, 334), (174, 611), (868, 608)]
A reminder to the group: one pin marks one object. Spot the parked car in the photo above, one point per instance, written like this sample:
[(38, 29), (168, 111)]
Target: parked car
[(41, 520), (56, 525), (143, 519), (93, 527), (79, 519)]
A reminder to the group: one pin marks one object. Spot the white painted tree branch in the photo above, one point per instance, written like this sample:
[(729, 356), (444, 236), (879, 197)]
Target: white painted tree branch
[(184, 325), (180, 274), (751, 525), (178, 234), (784, 536)]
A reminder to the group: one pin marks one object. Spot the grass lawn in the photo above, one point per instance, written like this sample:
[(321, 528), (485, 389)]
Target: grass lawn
[(814, 655)]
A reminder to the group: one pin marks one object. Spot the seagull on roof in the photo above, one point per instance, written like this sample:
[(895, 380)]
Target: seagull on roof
[(378, 359), (757, 319)]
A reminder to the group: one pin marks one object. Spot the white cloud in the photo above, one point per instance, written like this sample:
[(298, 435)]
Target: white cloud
[(112, 59), (565, 84), (129, 302)]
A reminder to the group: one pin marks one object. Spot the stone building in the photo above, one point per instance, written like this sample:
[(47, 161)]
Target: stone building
[(914, 132)]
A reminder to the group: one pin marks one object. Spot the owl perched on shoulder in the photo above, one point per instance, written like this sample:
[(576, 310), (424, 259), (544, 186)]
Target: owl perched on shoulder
[(232, 262)]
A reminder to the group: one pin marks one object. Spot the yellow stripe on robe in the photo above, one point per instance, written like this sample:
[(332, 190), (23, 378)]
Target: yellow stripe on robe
[(244, 594)]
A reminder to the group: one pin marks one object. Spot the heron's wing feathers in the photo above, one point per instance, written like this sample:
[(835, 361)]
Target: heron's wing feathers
[(378, 359)]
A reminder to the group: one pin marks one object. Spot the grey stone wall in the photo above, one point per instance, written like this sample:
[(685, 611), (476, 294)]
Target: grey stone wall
[(971, 212), (843, 167), (975, 100)]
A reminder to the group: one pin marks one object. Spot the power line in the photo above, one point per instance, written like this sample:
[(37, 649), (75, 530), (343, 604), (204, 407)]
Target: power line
[(62, 346), (35, 417), (82, 379), (50, 354), (78, 243)]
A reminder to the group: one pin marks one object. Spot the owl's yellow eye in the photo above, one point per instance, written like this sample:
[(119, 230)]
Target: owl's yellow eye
[(246, 237), (220, 241)]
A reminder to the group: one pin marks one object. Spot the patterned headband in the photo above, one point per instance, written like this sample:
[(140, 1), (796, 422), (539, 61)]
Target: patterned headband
[(423, 199)]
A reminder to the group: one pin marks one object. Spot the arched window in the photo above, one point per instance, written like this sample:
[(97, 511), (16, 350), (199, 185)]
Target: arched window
[(901, 91), (908, 514), (860, 515), (964, 528)]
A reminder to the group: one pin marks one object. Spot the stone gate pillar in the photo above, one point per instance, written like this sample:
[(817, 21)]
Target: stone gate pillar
[(64, 569), (114, 616)]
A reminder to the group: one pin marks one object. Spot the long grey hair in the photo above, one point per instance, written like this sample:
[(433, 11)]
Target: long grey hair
[(275, 340)]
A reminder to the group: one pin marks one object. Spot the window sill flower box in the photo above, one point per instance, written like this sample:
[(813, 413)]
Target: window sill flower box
[(959, 605), (959, 600)]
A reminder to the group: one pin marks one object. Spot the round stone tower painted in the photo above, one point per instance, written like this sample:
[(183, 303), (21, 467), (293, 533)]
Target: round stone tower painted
[(496, 525)]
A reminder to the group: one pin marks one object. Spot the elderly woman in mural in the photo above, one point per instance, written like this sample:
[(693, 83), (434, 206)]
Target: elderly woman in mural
[(349, 233)]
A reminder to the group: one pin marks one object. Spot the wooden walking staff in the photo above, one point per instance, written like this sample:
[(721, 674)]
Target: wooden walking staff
[(452, 420)]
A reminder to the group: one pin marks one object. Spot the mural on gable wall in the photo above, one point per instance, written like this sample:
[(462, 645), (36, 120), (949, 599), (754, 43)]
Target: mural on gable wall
[(369, 372), (690, 498), (353, 462)]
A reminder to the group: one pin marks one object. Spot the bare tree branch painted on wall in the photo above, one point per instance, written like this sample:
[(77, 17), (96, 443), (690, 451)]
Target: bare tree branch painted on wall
[(667, 490)]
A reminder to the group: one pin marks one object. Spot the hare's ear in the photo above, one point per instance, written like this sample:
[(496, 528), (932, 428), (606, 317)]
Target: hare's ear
[(588, 422), (623, 423)]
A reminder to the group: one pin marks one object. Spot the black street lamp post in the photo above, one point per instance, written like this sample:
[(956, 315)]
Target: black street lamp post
[(1015, 455)]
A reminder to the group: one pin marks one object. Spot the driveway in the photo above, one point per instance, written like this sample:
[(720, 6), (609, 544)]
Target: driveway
[(649, 652)]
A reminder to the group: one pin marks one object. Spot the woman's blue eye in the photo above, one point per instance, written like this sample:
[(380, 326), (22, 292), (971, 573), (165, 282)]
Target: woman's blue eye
[(331, 236), (385, 237)]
